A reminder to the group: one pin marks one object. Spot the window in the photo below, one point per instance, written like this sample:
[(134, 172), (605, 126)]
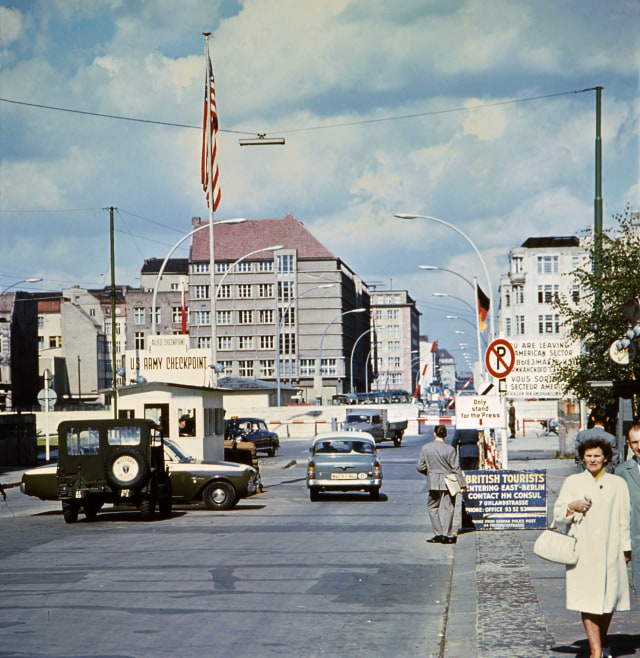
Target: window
[(507, 326), (378, 314), (221, 268), (394, 361), (575, 293), (392, 314), (245, 290), (204, 342), (225, 342), (265, 290), (285, 290), (518, 264), (244, 266), (287, 343), (265, 266), (520, 324), (201, 268), (267, 342), (158, 315), (245, 342), (393, 345), (518, 295), (84, 441), (55, 341), (201, 292), (547, 294), (307, 367), (139, 340), (545, 324), (328, 367), (223, 317), (138, 315), (245, 317), (393, 330), (285, 263), (92, 312), (224, 291), (228, 368), (288, 318), (40, 322), (245, 368), (202, 318), (176, 314), (40, 343), (174, 286), (267, 368), (265, 316), (547, 264)]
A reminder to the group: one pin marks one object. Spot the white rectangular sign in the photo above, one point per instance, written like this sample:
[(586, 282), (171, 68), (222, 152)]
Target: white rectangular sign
[(533, 373), (479, 412)]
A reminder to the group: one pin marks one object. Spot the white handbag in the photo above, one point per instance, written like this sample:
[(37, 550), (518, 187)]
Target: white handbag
[(556, 546)]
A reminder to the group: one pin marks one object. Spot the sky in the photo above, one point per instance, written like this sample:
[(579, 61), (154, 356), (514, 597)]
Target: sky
[(478, 112)]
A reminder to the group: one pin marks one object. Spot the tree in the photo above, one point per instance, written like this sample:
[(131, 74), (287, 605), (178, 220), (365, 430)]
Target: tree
[(595, 329)]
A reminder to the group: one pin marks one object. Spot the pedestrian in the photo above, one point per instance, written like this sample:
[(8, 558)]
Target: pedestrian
[(512, 420), (630, 472), (594, 505), (599, 417), (438, 460), (466, 442)]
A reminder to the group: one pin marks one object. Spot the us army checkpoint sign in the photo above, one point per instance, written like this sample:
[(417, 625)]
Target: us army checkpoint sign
[(479, 412)]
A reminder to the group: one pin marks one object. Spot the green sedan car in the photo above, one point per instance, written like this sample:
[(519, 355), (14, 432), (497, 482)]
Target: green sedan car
[(219, 485)]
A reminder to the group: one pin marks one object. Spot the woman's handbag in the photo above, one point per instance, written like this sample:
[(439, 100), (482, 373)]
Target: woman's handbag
[(556, 546)]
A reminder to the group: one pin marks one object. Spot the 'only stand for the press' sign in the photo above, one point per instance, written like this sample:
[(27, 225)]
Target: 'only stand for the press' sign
[(507, 500)]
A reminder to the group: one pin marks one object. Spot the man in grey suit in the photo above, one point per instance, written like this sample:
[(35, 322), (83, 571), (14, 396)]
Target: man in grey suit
[(630, 471), (437, 460)]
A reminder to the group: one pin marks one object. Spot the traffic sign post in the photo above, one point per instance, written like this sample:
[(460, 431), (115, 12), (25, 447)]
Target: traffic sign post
[(500, 358), (47, 397)]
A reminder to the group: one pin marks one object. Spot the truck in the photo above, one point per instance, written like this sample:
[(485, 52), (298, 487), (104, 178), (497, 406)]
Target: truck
[(375, 421)]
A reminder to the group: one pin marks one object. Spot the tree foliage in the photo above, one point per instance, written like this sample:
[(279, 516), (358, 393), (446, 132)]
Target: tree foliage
[(595, 326)]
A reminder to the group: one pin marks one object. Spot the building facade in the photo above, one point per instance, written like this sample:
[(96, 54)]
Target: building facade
[(396, 323)]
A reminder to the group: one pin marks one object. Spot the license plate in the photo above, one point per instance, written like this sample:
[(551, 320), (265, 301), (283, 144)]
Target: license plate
[(344, 476)]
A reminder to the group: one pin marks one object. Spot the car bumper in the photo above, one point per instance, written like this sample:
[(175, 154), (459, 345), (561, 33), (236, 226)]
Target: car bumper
[(343, 485)]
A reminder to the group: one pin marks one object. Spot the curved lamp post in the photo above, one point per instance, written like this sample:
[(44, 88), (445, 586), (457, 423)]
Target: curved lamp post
[(280, 324), (17, 283), (353, 349), (324, 333), (468, 239), (433, 268), (445, 294)]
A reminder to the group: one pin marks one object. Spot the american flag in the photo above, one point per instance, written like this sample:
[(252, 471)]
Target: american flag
[(209, 166)]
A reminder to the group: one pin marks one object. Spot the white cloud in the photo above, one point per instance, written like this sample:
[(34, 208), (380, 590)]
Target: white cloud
[(10, 26)]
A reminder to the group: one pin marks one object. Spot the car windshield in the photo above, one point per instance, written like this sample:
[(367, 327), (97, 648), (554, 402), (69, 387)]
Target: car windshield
[(174, 453), (334, 446), (357, 418)]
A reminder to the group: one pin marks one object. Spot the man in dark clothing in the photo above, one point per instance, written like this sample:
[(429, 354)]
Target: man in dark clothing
[(466, 443)]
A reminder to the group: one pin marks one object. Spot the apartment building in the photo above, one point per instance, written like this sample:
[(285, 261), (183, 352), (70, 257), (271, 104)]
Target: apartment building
[(396, 322)]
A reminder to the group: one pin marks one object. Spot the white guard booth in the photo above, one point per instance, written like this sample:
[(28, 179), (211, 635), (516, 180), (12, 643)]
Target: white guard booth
[(193, 416)]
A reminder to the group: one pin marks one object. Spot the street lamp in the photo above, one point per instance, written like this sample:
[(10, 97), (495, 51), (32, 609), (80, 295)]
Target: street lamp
[(324, 333), (353, 349), (468, 239), (462, 301), (280, 324), (432, 268), (17, 283)]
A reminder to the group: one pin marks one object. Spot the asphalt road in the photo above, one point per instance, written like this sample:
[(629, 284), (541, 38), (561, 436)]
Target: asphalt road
[(277, 576)]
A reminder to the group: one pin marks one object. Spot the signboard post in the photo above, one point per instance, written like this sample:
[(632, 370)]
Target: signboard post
[(507, 500)]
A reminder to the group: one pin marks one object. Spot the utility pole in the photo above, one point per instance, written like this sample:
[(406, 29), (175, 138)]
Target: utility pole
[(597, 214), (114, 390)]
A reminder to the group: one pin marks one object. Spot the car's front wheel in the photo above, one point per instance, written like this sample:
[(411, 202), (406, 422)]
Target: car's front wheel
[(219, 496)]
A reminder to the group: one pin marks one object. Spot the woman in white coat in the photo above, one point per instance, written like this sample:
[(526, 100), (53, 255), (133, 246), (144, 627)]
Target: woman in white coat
[(595, 506)]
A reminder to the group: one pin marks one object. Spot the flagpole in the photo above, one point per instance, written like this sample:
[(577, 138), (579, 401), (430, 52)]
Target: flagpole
[(212, 379)]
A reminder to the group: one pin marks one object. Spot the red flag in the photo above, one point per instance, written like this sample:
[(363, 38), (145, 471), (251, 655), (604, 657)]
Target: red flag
[(209, 166), (483, 308), (184, 311)]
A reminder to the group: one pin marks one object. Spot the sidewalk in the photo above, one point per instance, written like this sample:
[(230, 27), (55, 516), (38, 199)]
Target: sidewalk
[(506, 601)]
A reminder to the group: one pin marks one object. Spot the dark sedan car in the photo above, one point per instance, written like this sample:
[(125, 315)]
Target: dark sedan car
[(254, 430)]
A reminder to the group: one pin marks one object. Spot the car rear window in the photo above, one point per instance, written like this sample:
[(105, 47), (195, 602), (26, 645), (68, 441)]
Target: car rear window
[(343, 447), (124, 436), (83, 441)]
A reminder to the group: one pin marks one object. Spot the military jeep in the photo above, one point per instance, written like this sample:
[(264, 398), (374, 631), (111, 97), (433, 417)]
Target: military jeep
[(112, 461)]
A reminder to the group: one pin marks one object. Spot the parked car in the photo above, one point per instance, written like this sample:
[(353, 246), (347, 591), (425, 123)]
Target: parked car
[(254, 430), (343, 461), (218, 485)]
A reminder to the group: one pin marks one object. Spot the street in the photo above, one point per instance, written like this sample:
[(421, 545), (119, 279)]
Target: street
[(277, 576)]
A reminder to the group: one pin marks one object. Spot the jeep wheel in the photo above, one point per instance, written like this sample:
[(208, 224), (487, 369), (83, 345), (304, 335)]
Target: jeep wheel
[(148, 508), (70, 511), (219, 496), (126, 469), (91, 508)]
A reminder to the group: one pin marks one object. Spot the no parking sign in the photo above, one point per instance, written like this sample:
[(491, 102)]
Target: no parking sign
[(500, 358)]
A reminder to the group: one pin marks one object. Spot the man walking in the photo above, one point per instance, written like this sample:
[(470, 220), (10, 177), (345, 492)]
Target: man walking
[(630, 472), (437, 461), (599, 417)]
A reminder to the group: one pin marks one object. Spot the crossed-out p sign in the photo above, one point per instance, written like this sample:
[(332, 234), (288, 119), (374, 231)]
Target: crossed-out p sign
[(500, 358)]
